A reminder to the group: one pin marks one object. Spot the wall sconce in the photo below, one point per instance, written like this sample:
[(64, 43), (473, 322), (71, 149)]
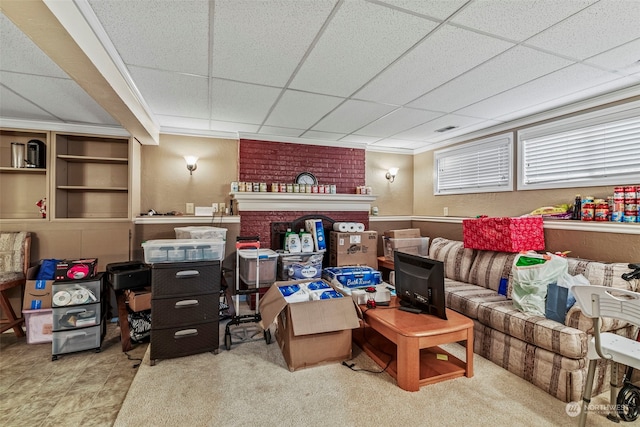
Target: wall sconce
[(191, 163), (391, 174)]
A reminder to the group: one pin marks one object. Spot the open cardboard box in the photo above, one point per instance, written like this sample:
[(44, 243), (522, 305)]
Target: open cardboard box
[(37, 293), (309, 333)]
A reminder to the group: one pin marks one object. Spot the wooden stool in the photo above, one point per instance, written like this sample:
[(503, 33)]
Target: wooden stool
[(15, 250)]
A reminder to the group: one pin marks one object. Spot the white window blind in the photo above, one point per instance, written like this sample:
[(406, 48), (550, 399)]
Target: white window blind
[(476, 167), (596, 151)]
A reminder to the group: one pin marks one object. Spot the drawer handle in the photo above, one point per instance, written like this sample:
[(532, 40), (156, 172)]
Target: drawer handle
[(76, 310), (187, 274), (185, 333), (187, 303)]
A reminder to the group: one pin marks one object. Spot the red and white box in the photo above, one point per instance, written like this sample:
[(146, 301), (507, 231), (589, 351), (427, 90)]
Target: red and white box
[(504, 234)]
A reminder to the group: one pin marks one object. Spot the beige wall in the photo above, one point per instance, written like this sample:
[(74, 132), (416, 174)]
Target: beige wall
[(394, 198), (165, 182)]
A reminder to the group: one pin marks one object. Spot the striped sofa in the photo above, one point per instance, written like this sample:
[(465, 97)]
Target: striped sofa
[(550, 355)]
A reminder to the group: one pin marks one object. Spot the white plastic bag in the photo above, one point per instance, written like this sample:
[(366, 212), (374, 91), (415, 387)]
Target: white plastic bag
[(532, 274)]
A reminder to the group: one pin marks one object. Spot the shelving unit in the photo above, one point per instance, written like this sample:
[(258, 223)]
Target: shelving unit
[(78, 316), (21, 188), (91, 176)]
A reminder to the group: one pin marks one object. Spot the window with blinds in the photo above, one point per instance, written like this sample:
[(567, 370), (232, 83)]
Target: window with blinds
[(602, 148), (477, 167)]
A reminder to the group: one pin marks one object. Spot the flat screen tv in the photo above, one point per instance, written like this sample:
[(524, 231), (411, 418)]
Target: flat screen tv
[(419, 283)]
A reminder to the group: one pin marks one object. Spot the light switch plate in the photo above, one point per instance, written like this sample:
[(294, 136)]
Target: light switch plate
[(189, 209)]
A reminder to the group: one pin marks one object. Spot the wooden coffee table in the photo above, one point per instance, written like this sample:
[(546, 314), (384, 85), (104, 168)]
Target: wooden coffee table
[(408, 344)]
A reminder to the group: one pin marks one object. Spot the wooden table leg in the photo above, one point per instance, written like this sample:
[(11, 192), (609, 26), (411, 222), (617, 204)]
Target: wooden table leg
[(408, 363), (123, 318), (469, 345)]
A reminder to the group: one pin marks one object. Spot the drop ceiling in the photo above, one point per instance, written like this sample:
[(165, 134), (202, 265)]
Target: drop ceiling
[(385, 75)]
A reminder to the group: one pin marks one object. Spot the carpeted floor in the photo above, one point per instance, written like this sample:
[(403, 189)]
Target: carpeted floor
[(250, 385)]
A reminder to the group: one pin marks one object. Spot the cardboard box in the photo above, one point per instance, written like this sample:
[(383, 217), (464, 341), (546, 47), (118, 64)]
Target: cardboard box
[(354, 249), (310, 333), (39, 325), (37, 293), (76, 269), (414, 245), (139, 300), (405, 233), (504, 234)]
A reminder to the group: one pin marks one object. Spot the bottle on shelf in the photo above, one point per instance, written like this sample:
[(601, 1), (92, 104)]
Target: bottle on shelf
[(577, 208)]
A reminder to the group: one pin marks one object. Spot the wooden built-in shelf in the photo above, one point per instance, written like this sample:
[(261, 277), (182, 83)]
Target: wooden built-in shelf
[(89, 188), (92, 159), (23, 170)]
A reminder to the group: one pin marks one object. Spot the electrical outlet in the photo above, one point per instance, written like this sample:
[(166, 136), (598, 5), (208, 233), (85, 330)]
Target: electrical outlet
[(190, 209), (222, 207), (215, 207), (446, 211)]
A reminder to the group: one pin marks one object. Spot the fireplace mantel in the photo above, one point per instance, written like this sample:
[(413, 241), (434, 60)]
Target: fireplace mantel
[(252, 201)]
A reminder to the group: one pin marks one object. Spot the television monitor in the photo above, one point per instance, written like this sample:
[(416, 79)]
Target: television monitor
[(419, 283)]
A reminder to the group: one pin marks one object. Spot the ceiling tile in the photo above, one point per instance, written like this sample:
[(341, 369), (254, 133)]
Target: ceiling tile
[(300, 109), (182, 122), (273, 130), (331, 136), (517, 20), (173, 94), (360, 41), (395, 143), (263, 42), (16, 107), (360, 139), (241, 102), (438, 9), (560, 85), (21, 55), (624, 59), (352, 115), (62, 98), (397, 121), (233, 127), (603, 26), (138, 29), (427, 131), (436, 60), (512, 68)]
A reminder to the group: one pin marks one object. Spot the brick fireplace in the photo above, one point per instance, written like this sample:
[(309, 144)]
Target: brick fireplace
[(264, 161)]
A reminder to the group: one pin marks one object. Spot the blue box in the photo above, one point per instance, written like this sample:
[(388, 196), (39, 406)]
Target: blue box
[(352, 277)]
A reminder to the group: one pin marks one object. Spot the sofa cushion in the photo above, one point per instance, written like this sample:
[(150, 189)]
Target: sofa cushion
[(465, 298), (600, 273), (532, 329), (456, 258), (490, 267)]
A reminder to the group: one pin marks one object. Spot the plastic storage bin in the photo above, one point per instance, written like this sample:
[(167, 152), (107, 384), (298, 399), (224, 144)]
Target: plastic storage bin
[(268, 265), (76, 316), (39, 325), (179, 250), (76, 340), (415, 245), (211, 233)]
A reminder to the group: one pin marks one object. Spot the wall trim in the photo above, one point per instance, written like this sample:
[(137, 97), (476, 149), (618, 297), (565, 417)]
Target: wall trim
[(595, 227), (270, 202)]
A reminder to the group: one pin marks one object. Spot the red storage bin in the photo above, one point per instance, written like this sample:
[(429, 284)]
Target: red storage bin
[(504, 234)]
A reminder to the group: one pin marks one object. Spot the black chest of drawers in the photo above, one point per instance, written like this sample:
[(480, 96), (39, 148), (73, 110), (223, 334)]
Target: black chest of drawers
[(184, 309)]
